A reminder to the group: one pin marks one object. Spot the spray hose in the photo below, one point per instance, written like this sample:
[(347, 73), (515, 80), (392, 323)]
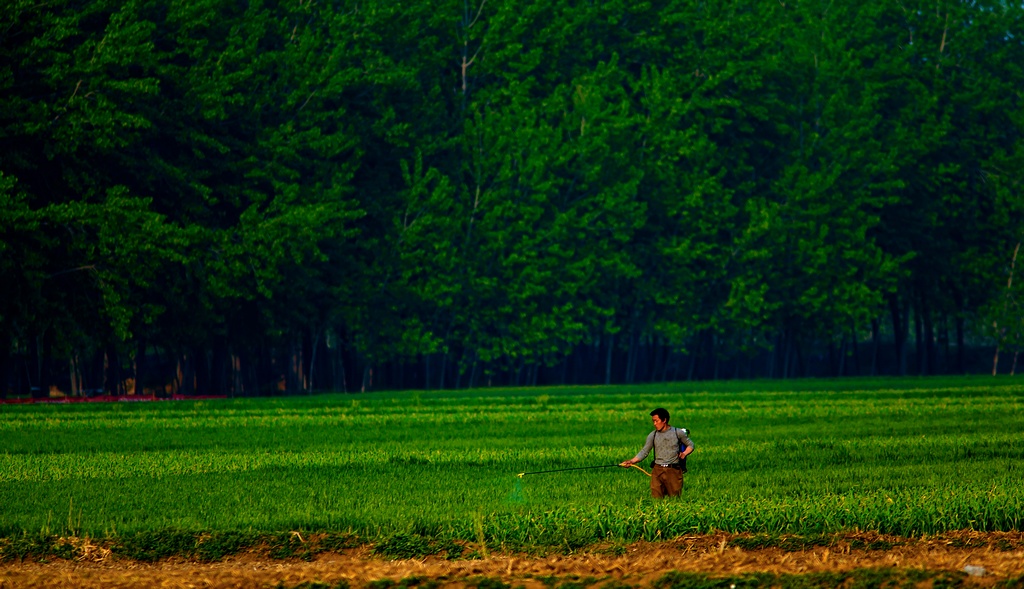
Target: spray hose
[(522, 474), (640, 469)]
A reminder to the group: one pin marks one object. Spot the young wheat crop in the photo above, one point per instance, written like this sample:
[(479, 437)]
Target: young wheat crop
[(904, 457)]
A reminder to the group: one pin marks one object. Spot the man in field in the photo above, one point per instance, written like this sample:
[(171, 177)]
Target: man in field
[(671, 446)]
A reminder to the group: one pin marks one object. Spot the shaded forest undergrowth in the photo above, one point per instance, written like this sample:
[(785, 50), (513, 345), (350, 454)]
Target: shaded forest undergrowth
[(206, 547)]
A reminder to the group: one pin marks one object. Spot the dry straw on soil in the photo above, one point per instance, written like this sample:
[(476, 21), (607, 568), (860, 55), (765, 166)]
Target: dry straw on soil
[(999, 555)]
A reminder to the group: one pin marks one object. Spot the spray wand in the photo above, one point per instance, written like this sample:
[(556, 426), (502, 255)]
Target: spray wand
[(522, 474)]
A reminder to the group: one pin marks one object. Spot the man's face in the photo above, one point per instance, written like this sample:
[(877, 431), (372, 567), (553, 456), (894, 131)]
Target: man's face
[(658, 423)]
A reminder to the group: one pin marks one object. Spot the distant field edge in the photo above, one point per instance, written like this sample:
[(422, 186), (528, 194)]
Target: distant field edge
[(790, 385), (795, 385)]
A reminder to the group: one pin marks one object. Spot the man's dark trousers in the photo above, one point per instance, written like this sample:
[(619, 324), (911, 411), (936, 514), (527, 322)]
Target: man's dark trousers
[(666, 481)]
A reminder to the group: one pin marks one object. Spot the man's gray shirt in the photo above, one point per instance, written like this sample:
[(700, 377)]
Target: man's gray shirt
[(666, 444)]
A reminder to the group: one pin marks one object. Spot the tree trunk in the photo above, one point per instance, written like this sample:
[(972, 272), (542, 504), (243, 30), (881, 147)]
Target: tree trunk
[(272, 368), (589, 353), (293, 371), (919, 353), (787, 353), (220, 367), (899, 329), (367, 378), (473, 372), (801, 365), (1006, 301), (187, 362), (178, 382), (47, 374), (676, 367), (201, 361), (930, 359), (250, 372), (444, 369), (712, 354), (426, 372), (631, 355), (163, 383), (694, 356), (73, 373), (139, 367), (670, 362), (876, 346), (958, 327), (943, 364), (655, 362), (338, 381), (960, 360), (857, 368), (111, 372), (237, 386), (25, 373), (608, 359), (842, 357), (458, 373), (310, 346), (833, 360), (904, 338), (648, 362), (5, 364)]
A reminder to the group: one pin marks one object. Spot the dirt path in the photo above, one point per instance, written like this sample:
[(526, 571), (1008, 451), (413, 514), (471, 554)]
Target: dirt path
[(999, 556)]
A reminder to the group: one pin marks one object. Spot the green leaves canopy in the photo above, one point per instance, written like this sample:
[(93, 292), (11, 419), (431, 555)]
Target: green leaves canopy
[(501, 183)]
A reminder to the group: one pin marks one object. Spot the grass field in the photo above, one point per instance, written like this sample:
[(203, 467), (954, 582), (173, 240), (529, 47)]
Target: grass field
[(905, 457)]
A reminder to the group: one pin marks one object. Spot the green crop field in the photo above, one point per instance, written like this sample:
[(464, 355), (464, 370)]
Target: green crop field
[(906, 457)]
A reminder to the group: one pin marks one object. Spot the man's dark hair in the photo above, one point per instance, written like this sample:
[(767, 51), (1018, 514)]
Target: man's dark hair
[(661, 412)]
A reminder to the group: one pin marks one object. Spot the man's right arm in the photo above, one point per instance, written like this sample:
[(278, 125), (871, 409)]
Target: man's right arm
[(648, 445)]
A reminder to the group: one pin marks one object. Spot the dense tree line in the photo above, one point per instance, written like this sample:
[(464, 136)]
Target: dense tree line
[(242, 198)]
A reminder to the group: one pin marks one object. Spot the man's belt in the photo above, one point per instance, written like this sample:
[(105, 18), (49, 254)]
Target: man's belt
[(681, 465)]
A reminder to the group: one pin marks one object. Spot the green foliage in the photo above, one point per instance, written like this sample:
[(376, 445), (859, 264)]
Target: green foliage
[(494, 186), (216, 546), (38, 546), (317, 585), (788, 543), (154, 545), (150, 546), (404, 583), (405, 545)]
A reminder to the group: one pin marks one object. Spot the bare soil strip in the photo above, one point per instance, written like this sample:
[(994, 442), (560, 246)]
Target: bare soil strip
[(989, 558)]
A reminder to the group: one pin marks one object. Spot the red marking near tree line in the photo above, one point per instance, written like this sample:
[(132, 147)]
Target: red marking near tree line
[(109, 399)]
